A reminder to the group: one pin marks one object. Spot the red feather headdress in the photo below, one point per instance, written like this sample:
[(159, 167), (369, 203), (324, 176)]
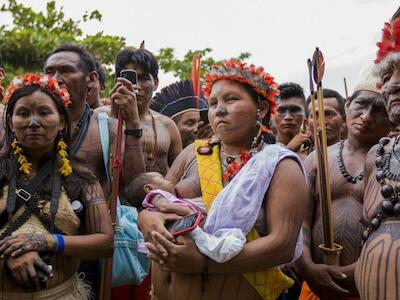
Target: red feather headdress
[(43, 81), (390, 40), (262, 82)]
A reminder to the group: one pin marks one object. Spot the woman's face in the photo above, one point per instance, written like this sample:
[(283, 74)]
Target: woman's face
[(36, 122), (232, 112)]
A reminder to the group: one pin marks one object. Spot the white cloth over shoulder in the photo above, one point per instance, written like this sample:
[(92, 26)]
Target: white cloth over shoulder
[(235, 209)]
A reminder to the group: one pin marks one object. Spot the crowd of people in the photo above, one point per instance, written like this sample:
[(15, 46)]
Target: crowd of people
[(241, 154)]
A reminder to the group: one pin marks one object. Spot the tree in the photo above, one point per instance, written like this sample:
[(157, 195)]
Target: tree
[(34, 35), (182, 68)]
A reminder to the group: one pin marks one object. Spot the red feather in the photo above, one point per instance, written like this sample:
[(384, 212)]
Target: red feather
[(390, 40)]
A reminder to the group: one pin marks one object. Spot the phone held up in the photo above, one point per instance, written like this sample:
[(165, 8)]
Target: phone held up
[(185, 225), (131, 75)]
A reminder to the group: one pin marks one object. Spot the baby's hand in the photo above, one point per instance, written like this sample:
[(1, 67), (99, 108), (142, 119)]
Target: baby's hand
[(163, 205), (160, 202)]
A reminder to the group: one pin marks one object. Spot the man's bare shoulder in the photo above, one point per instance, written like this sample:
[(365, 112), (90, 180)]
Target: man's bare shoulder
[(167, 121)]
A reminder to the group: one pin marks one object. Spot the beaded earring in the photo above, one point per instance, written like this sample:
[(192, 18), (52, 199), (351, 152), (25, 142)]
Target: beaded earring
[(65, 168), (25, 165)]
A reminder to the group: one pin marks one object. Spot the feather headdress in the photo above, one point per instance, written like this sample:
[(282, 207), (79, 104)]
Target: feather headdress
[(262, 82), (390, 40), (176, 99), (43, 81)]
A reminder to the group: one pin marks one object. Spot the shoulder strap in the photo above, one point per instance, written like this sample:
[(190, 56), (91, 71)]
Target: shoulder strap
[(102, 119), (16, 197), (210, 172), (82, 131)]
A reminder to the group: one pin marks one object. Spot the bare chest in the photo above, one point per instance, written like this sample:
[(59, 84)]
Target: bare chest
[(156, 143)]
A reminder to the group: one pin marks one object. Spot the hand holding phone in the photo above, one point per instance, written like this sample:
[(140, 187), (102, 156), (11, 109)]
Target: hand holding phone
[(131, 75), (185, 225), (126, 102)]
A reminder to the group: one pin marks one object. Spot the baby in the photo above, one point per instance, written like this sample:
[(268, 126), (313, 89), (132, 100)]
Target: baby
[(153, 191)]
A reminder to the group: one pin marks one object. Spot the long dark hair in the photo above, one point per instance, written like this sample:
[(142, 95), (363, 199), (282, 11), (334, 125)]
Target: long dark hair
[(81, 172)]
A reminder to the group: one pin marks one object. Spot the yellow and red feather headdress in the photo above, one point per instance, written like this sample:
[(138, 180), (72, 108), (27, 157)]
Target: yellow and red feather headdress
[(262, 82)]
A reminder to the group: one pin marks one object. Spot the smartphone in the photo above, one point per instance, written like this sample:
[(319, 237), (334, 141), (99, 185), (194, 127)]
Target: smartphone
[(204, 116), (131, 75), (185, 224)]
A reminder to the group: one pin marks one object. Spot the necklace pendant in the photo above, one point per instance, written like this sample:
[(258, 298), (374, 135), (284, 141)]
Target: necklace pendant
[(230, 159)]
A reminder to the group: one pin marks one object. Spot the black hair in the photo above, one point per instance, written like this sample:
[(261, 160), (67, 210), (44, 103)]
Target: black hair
[(268, 137), (328, 93), (101, 72), (29, 90), (291, 90), (87, 62), (135, 192), (141, 57), (1, 61), (82, 174)]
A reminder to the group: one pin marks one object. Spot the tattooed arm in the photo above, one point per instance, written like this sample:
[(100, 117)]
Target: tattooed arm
[(123, 98), (320, 278), (98, 241), (283, 222), (306, 258), (133, 159)]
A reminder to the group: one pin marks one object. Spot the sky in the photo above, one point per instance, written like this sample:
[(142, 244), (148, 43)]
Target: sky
[(280, 35)]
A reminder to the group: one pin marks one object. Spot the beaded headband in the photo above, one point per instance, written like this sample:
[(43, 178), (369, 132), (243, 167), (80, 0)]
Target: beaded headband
[(390, 42), (43, 81), (262, 82)]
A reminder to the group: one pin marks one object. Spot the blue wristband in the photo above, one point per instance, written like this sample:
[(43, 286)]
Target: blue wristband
[(60, 245), (55, 243)]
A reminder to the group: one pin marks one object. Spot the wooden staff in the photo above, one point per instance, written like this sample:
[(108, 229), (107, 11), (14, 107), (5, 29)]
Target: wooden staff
[(106, 279), (331, 251), (196, 78)]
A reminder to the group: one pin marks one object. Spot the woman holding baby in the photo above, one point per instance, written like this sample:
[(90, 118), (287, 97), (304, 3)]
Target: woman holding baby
[(241, 100)]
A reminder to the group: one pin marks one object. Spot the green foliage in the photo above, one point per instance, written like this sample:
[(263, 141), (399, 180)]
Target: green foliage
[(34, 35), (182, 68)]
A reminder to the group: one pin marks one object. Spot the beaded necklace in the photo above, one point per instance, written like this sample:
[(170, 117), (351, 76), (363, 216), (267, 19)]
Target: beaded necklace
[(342, 167), (390, 206), (231, 167)]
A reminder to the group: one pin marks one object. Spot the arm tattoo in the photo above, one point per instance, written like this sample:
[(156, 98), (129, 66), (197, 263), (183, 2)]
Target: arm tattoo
[(38, 242), (93, 194)]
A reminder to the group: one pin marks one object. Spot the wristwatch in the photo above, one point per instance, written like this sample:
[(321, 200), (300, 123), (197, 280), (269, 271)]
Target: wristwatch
[(134, 132)]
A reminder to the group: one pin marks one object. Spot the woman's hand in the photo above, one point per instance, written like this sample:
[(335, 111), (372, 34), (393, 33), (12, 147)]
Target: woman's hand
[(182, 257), (20, 244), (29, 269), (150, 221)]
